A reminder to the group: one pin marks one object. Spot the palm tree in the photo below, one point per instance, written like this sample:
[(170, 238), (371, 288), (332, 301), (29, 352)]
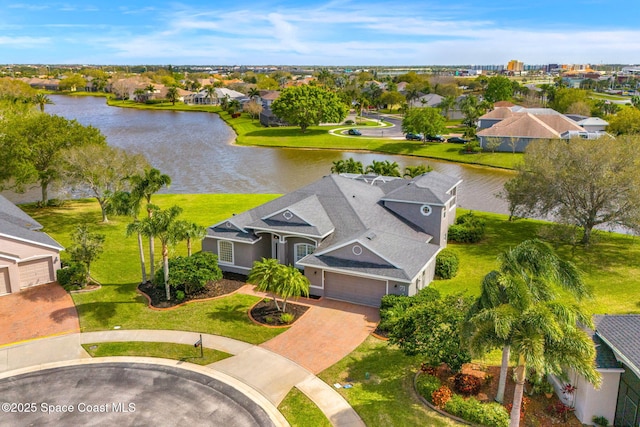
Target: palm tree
[(253, 93), (518, 310), (211, 93), (265, 275), (411, 94), (413, 171), (173, 95), (161, 225), (385, 168), (144, 187), (150, 88), (189, 231), (347, 166), (125, 203), (42, 99), (447, 104), (292, 283)]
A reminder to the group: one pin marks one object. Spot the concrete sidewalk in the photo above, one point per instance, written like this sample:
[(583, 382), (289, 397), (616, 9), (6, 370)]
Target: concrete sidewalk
[(268, 373)]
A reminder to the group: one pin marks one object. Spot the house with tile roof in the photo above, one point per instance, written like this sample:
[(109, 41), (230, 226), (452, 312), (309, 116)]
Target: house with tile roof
[(356, 237), (28, 257), (515, 127), (617, 342)]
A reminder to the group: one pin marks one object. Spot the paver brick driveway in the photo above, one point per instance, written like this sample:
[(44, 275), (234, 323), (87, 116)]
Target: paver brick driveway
[(37, 312)]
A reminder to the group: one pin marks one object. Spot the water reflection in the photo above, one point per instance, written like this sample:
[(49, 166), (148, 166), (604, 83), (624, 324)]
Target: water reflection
[(196, 150)]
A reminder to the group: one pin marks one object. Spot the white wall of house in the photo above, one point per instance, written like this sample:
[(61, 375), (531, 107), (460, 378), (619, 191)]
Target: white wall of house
[(589, 401)]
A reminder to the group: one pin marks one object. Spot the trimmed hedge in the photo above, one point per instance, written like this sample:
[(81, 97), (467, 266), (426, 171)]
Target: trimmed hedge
[(467, 229), (72, 277), (426, 385), (447, 264), (190, 274), (488, 414)]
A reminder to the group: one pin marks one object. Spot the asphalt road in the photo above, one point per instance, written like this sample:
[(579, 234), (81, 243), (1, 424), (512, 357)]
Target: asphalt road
[(124, 394)]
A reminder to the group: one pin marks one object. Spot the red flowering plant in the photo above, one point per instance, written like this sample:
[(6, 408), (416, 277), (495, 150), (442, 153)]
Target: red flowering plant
[(568, 389)]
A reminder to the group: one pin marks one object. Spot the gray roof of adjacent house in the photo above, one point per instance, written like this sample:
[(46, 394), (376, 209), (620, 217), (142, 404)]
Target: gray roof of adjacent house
[(14, 222), (340, 209), (622, 334)]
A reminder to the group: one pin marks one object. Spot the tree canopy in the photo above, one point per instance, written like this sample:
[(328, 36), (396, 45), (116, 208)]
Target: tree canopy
[(40, 141), (306, 106), (101, 171), (581, 182), (627, 121), (427, 121), (499, 88)]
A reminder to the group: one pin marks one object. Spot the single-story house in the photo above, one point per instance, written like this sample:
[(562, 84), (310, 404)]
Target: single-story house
[(356, 237), (28, 257), (202, 97), (617, 342), (516, 127)]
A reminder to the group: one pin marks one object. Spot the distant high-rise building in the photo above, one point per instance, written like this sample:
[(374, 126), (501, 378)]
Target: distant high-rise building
[(515, 65)]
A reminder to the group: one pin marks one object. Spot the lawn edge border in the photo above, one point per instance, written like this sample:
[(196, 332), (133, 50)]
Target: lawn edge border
[(152, 307)]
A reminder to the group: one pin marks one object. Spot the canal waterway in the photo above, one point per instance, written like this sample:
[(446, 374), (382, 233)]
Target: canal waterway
[(196, 149)]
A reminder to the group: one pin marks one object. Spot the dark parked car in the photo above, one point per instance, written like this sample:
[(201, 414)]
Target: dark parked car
[(414, 137), (457, 140), (355, 132), (435, 138)]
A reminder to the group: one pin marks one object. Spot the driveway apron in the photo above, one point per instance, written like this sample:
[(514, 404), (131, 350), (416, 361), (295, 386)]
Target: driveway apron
[(37, 312)]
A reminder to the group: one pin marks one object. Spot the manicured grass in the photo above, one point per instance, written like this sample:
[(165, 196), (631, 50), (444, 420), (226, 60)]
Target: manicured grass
[(386, 397), (179, 106), (252, 133), (118, 270), (183, 352), (300, 411), (611, 265)]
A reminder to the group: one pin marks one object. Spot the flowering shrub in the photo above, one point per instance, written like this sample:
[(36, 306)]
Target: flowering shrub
[(568, 389), (466, 385), (441, 396)]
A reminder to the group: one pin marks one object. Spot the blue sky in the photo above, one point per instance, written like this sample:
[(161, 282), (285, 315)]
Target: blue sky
[(301, 32)]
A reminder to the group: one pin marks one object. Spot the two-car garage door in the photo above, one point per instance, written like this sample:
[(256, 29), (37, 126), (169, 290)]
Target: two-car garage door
[(36, 272), (354, 289)]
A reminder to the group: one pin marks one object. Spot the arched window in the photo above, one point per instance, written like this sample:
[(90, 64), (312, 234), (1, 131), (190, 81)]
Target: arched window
[(301, 250)]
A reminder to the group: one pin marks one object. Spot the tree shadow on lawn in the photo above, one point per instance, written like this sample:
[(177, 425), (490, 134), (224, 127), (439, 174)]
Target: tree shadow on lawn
[(403, 147), (99, 312)]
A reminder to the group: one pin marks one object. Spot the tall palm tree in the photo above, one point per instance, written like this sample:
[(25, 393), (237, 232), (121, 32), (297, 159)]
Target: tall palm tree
[(161, 225), (211, 93), (173, 95), (518, 310), (447, 104), (189, 231), (145, 186), (42, 99), (125, 203)]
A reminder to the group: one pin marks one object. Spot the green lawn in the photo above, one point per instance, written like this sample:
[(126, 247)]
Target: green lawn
[(182, 352), (386, 397), (300, 411), (118, 270), (611, 265)]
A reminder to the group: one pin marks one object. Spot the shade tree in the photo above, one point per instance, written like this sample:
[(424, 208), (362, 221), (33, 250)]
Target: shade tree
[(307, 105)]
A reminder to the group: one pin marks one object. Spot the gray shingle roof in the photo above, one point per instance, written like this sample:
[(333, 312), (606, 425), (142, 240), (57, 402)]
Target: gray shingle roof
[(16, 223), (430, 188), (351, 208), (622, 334)]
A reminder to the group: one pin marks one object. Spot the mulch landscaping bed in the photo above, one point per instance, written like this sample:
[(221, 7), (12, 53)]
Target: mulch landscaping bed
[(224, 286), (536, 414), (266, 313)]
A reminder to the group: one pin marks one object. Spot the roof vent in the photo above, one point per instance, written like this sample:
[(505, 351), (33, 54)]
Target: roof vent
[(371, 235)]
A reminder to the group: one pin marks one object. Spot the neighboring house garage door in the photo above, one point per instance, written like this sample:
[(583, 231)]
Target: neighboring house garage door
[(35, 272), (4, 281), (354, 289)]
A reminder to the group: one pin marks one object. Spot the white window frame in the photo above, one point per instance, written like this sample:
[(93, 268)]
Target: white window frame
[(220, 260), (306, 245)]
